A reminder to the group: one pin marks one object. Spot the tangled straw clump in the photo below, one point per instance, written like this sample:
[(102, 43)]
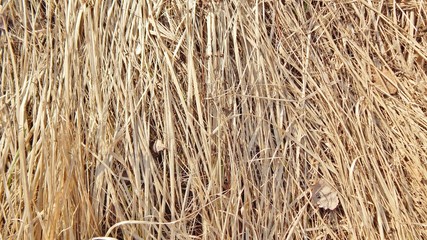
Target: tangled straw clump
[(209, 119)]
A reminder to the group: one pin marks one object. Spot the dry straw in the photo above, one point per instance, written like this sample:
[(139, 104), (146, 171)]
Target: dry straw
[(251, 100)]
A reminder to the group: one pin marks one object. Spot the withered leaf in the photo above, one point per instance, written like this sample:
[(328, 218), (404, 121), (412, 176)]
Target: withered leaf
[(385, 80), (158, 146), (138, 49), (324, 195)]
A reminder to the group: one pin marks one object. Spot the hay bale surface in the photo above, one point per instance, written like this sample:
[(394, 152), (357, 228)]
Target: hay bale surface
[(213, 119)]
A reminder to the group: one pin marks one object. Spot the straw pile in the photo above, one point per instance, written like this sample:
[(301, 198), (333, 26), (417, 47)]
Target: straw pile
[(213, 119)]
